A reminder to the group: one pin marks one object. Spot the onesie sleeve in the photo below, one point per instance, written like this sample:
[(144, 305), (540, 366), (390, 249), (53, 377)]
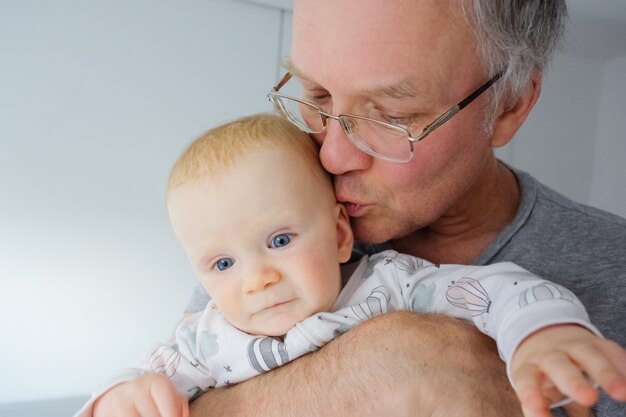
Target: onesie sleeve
[(503, 300)]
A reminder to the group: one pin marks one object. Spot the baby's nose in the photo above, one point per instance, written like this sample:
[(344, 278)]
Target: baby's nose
[(261, 280)]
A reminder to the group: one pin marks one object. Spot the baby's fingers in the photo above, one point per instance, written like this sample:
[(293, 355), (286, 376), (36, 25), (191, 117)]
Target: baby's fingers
[(528, 380), (606, 364), (167, 399), (568, 377), (146, 407), (184, 407)]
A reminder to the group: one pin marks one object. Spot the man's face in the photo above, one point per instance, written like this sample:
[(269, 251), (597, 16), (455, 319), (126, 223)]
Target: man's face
[(363, 56)]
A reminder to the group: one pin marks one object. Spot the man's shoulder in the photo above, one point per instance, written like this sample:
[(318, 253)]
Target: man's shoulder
[(565, 218), (558, 203), (558, 238)]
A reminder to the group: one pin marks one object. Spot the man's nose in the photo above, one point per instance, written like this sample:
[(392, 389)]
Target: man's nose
[(337, 152), (260, 279)]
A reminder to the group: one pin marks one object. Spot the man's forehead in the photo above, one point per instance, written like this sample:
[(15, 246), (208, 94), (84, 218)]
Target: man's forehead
[(408, 48)]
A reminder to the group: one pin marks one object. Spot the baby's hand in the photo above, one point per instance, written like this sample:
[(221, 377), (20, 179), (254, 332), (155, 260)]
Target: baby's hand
[(563, 358), (151, 395)]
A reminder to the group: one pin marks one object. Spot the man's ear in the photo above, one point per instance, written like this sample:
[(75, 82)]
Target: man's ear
[(345, 238), (511, 118)]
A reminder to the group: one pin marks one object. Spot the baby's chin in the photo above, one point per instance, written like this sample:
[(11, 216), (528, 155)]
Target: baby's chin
[(276, 327), (277, 330)]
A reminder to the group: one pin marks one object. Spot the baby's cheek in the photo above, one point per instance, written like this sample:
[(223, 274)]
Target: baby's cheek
[(326, 292), (230, 307)]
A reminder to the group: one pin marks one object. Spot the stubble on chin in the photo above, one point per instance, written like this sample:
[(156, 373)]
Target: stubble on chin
[(377, 229)]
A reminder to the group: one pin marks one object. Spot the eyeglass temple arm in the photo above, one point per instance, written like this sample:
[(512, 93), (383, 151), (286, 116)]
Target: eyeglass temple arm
[(480, 90), (438, 122), (282, 82), (454, 110)]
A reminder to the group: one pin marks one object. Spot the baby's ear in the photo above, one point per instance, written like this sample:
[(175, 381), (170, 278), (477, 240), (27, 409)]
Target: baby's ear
[(345, 238)]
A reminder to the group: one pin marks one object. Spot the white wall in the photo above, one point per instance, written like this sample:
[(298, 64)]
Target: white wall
[(608, 188), (574, 140), (96, 101)]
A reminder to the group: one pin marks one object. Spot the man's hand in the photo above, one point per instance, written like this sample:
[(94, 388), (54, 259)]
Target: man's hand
[(397, 365), (148, 396), (560, 361)]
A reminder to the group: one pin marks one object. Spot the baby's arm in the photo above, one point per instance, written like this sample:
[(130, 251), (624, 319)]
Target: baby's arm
[(544, 324), (562, 359), (151, 395)]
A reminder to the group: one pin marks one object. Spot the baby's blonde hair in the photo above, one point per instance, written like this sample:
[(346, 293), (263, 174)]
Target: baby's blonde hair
[(221, 147)]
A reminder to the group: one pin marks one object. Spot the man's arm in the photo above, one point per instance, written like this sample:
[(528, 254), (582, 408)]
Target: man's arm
[(399, 364)]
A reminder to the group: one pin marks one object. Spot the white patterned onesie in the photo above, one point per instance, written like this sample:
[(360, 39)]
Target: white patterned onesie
[(503, 300)]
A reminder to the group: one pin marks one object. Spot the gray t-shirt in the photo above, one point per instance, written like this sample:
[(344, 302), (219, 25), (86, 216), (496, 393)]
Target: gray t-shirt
[(579, 247)]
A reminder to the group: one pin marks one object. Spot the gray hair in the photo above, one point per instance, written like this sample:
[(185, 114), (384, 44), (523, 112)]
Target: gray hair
[(521, 35)]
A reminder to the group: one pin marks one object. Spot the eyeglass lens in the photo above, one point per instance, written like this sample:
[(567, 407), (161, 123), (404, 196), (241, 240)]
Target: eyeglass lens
[(372, 137)]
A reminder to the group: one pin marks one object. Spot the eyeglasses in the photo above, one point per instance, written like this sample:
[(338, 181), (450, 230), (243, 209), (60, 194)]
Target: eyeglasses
[(388, 141)]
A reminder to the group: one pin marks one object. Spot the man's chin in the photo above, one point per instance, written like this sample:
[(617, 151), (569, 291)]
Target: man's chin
[(369, 233)]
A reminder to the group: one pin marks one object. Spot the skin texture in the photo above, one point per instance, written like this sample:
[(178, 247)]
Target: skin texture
[(400, 382)]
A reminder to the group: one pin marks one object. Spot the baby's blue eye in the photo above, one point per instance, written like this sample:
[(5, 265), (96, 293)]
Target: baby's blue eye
[(281, 240), (224, 263)]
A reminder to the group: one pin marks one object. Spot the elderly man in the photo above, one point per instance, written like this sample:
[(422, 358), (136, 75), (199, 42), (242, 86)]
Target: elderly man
[(450, 80)]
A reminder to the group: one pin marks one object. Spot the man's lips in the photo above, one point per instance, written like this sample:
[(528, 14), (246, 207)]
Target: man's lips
[(355, 209)]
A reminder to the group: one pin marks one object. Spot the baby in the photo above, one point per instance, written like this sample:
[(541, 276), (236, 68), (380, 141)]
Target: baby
[(257, 217)]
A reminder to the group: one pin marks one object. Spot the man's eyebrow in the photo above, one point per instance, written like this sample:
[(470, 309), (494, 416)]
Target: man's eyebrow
[(400, 90)]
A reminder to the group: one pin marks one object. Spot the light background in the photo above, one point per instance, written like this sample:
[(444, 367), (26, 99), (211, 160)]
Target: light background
[(97, 99)]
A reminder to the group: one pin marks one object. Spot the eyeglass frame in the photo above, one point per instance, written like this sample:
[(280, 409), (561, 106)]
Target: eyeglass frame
[(428, 129)]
